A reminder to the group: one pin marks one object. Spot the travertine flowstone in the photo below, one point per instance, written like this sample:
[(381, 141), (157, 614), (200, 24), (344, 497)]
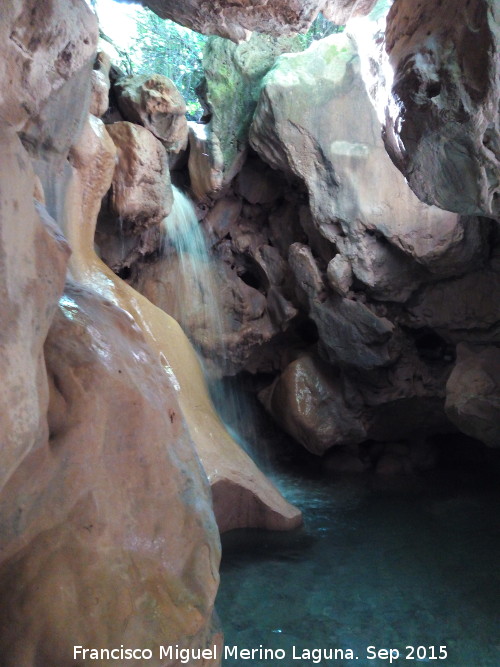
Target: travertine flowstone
[(33, 257), (116, 541)]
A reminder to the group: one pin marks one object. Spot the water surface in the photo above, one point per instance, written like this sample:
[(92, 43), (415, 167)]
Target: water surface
[(383, 564)]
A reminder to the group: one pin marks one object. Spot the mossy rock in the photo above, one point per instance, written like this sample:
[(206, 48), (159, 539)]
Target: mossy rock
[(234, 73)]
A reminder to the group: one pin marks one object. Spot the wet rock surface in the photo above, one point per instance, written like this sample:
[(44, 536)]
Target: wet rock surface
[(112, 495)]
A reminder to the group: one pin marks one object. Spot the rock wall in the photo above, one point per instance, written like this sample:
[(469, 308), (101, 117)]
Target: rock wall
[(340, 284), (106, 522), (108, 533)]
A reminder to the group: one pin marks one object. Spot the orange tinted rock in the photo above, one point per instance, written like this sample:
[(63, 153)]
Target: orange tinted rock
[(116, 541), (225, 463)]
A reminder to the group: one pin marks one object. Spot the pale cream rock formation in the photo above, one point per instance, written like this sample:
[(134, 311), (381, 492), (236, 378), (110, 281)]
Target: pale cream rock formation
[(473, 392), (141, 195), (154, 102)]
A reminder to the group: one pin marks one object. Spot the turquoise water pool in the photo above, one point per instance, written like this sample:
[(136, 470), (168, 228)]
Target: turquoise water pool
[(378, 566)]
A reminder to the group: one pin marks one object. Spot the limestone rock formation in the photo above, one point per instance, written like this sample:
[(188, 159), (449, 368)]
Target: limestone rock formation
[(116, 541), (33, 261), (234, 20), (42, 46), (244, 496), (155, 102), (304, 125), (473, 393), (442, 103), (141, 195), (310, 405), (205, 162), (101, 84)]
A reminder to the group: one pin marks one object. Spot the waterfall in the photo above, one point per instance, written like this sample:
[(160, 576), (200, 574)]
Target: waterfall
[(194, 298), (196, 304)]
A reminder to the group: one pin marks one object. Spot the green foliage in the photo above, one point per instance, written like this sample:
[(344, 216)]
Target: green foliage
[(164, 47), (321, 27)]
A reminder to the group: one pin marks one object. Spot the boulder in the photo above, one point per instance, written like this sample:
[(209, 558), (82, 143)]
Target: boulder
[(141, 195), (99, 101), (473, 393), (304, 125), (154, 102), (352, 334), (306, 271), (442, 101), (310, 404), (233, 75), (205, 161), (339, 275)]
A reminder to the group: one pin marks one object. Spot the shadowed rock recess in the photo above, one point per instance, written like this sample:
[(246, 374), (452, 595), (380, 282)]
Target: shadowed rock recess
[(348, 198)]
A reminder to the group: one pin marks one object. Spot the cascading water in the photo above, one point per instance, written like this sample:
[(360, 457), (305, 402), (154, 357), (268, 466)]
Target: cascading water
[(195, 303)]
